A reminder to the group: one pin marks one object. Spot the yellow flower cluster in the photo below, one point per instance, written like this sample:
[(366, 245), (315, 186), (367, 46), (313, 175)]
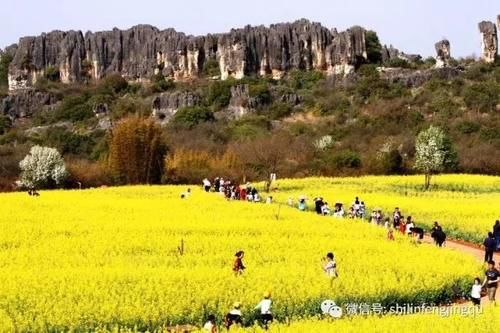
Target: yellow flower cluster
[(465, 205), (485, 321), (143, 257)]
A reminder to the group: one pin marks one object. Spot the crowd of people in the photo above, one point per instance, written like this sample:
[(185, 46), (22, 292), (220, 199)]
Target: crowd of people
[(357, 210), (234, 191)]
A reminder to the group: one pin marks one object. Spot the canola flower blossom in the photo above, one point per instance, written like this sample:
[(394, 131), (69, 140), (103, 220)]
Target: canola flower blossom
[(466, 206), (142, 257)]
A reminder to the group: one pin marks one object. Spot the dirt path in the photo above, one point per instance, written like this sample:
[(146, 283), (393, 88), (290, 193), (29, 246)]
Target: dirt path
[(468, 248), (465, 247)]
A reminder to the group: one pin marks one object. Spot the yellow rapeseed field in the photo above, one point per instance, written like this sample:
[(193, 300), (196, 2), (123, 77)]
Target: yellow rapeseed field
[(487, 321), (465, 205), (143, 257)]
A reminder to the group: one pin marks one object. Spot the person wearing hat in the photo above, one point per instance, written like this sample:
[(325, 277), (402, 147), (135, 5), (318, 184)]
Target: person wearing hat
[(233, 316), (265, 309)]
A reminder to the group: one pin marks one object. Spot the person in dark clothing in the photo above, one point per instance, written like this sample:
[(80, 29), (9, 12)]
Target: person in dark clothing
[(417, 231), (438, 234), (233, 316), (489, 247), (492, 277), (496, 233), (318, 204), (238, 266)]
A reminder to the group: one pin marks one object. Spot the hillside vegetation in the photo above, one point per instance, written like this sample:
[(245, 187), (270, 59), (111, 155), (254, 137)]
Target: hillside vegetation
[(303, 125)]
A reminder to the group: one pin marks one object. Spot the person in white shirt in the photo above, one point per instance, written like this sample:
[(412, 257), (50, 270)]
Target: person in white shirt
[(210, 325), (325, 210), (269, 200), (475, 293), (330, 267), (234, 316), (207, 185), (409, 225), (290, 201), (265, 309)]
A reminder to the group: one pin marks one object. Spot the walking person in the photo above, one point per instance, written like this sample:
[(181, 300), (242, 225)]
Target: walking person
[(490, 245), (496, 233), (330, 265), (233, 317), (492, 276), (264, 306), (238, 266), (475, 293)]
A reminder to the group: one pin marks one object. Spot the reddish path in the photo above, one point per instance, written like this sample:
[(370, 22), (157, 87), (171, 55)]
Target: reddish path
[(472, 249), (465, 247)]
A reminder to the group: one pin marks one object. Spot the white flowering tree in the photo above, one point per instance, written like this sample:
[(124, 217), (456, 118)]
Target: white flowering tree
[(43, 167), (433, 152)]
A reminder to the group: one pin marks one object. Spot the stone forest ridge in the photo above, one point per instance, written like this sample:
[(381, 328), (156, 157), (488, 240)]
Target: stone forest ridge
[(143, 51)]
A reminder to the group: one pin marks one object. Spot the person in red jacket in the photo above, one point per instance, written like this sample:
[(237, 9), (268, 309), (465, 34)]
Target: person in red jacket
[(238, 266)]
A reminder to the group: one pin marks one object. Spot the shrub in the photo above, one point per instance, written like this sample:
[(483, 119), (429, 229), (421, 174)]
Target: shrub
[(43, 167), (72, 108), (161, 84), (482, 97), (87, 173), (191, 116), (478, 71), (219, 94), (398, 63), (136, 151), (261, 93), (5, 124), (112, 84), (300, 79), (490, 134), (67, 142), (468, 127), (278, 110), (334, 103), (127, 106), (211, 68), (249, 127), (52, 74), (346, 159)]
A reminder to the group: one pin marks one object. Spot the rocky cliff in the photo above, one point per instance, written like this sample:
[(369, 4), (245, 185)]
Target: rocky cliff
[(143, 50)]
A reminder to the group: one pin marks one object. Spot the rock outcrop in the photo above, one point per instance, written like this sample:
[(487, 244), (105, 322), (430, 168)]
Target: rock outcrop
[(165, 105), (415, 78), (25, 104), (390, 53), (144, 50), (489, 41), (443, 53)]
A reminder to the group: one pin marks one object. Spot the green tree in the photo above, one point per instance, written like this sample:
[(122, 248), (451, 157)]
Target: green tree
[(373, 48), (434, 153), (191, 116), (5, 60), (483, 96), (211, 68), (112, 83), (219, 94)]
